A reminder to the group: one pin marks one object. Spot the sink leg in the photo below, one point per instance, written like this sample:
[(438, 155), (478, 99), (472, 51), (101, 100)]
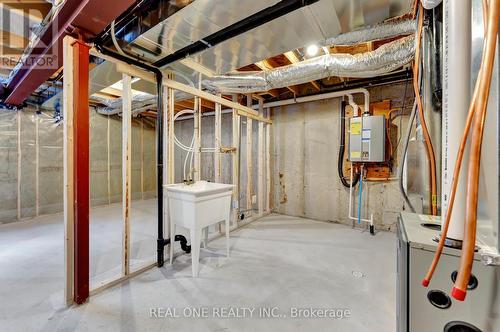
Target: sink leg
[(195, 249), (205, 240)]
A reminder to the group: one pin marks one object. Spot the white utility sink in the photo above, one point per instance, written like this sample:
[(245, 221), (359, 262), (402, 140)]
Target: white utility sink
[(195, 207)]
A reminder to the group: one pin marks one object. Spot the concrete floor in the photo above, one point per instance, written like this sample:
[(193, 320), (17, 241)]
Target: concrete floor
[(279, 261)]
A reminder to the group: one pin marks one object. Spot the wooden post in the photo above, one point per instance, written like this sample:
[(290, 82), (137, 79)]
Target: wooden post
[(268, 164), (236, 161), (261, 155), (197, 133), (249, 156), (171, 147), (68, 161), (166, 161), (126, 168), (218, 138), (81, 170)]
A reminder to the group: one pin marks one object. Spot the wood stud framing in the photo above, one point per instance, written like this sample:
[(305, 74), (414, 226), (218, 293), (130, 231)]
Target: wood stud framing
[(218, 143), (249, 157), (74, 99), (126, 169), (68, 156), (261, 156), (236, 161), (267, 199)]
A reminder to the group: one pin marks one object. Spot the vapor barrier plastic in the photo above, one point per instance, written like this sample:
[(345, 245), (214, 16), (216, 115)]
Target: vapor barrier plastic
[(106, 225), (144, 206), (8, 165), (50, 164), (29, 147)]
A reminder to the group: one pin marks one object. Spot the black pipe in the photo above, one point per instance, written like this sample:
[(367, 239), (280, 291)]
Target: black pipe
[(161, 241), (253, 21), (340, 164)]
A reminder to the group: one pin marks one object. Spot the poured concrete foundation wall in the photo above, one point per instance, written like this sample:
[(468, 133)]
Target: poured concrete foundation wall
[(31, 162), (305, 141)]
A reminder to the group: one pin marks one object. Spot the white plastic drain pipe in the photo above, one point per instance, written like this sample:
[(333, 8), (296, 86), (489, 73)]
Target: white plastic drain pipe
[(456, 100), (323, 96)]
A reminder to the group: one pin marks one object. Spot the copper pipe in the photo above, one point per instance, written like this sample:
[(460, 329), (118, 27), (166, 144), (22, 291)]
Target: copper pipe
[(468, 245), (429, 149), (456, 171)]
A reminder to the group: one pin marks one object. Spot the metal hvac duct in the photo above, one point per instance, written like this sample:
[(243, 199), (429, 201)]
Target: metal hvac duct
[(374, 32), (383, 60)]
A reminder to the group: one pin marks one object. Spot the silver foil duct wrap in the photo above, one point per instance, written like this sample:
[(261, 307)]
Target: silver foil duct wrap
[(385, 59), (374, 32)]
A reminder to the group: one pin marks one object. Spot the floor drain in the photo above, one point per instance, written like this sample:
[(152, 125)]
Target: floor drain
[(357, 274)]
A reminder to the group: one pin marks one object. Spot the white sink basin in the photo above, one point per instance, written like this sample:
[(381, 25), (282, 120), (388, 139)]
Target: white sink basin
[(199, 188), (195, 207)]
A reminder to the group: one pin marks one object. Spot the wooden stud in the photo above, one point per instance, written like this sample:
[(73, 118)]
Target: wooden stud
[(126, 168), (68, 157), (218, 138), (171, 146), (249, 157), (261, 156), (197, 133), (165, 158), (268, 165), (236, 161)]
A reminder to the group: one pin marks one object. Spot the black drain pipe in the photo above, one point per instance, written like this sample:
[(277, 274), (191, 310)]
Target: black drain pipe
[(161, 241), (253, 21)]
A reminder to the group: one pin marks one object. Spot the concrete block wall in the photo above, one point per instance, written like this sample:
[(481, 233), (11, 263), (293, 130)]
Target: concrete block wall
[(305, 140), (40, 132)]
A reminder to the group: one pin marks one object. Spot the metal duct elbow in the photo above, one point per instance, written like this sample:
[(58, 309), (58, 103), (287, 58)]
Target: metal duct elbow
[(374, 32), (385, 59)]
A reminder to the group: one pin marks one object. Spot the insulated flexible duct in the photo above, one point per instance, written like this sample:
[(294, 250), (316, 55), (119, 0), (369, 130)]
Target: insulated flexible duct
[(385, 59), (374, 32)]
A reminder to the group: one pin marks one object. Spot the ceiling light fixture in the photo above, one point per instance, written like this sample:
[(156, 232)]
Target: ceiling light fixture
[(312, 50)]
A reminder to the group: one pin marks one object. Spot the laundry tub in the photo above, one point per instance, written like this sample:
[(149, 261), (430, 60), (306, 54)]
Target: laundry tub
[(195, 207)]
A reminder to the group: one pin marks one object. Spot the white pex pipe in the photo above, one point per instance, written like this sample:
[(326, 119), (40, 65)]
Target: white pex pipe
[(456, 100), (323, 96)]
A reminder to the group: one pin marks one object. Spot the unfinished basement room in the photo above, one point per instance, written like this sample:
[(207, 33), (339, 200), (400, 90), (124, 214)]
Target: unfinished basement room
[(244, 165)]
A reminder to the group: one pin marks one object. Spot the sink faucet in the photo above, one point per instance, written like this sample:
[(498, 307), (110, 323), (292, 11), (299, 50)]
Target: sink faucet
[(189, 181)]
